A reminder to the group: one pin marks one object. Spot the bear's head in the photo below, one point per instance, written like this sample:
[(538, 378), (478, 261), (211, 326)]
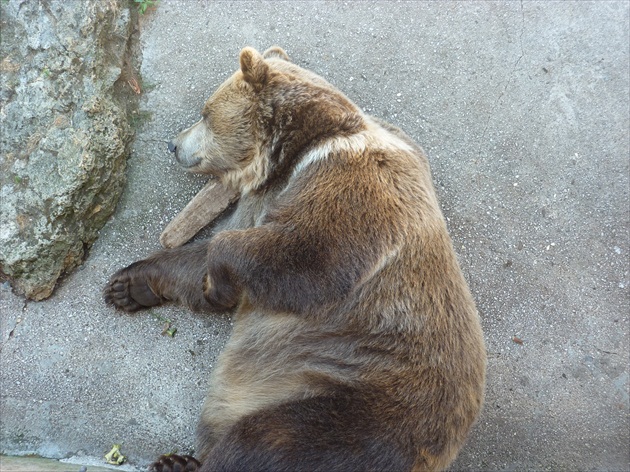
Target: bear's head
[(225, 142), (267, 110)]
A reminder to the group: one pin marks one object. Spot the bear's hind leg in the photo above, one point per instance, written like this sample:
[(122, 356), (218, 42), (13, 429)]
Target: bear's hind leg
[(337, 433)]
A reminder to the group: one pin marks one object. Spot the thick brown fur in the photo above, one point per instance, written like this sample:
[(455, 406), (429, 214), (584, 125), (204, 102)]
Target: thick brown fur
[(356, 342)]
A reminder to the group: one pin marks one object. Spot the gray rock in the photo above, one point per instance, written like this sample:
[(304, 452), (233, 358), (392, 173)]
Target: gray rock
[(64, 134)]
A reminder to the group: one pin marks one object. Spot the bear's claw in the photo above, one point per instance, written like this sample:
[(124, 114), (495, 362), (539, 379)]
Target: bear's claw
[(175, 463)]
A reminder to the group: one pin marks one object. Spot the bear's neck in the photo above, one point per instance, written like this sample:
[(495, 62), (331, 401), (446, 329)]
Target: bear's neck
[(297, 127)]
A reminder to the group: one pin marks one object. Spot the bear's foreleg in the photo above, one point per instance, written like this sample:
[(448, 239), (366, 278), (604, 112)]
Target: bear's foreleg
[(281, 269), (170, 275)]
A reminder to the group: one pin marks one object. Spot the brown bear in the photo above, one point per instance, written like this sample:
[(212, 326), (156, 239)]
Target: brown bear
[(356, 342)]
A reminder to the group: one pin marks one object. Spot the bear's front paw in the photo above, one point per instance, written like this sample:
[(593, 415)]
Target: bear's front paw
[(175, 463), (129, 290)]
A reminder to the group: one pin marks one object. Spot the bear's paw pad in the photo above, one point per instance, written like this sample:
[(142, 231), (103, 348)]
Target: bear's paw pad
[(129, 293)]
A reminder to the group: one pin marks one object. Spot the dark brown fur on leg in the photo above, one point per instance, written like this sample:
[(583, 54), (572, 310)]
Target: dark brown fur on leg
[(338, 433), (170, 275)]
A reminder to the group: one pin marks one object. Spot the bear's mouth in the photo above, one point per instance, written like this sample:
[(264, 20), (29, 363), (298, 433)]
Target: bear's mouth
[(188, 164)]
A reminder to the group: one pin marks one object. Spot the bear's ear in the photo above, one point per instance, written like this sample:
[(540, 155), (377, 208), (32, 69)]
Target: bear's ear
[(254, 68), (278, 52)]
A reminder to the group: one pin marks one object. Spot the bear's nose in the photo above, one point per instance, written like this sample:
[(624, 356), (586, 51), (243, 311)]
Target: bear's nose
[(171, 146)]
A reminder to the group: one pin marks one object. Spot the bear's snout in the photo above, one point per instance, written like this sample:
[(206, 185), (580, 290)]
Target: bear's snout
[(171, 146)]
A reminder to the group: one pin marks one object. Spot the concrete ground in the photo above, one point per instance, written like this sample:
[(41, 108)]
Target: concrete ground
[(523, 109)]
